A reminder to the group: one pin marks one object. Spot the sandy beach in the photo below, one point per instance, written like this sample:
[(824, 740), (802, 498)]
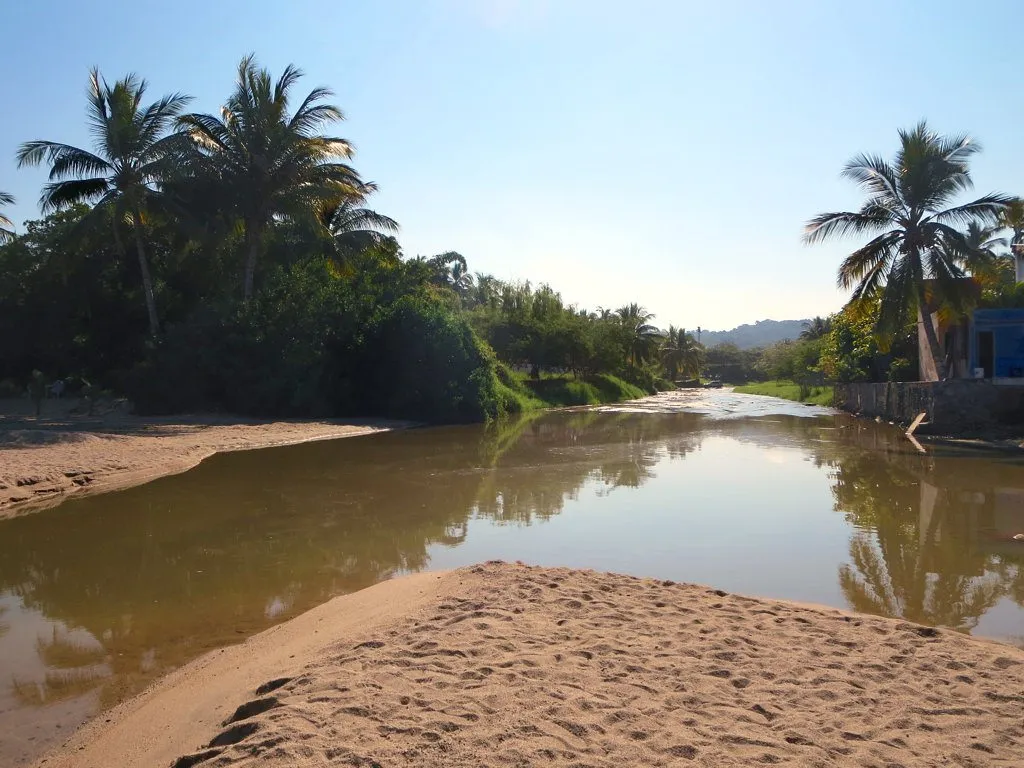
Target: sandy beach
[(503, 664), (43, 460)]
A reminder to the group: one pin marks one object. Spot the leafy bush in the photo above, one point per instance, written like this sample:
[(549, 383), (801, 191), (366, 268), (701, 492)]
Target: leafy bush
[(420, 360), (312, 345)]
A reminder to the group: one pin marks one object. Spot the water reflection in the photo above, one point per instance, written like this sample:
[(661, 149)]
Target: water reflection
[(101, 595), (934, 540)]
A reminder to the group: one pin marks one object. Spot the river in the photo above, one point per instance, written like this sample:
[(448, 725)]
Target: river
[(101, 595)]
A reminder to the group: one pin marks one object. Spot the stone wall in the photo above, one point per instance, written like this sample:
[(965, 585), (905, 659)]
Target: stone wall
[(958, 406)]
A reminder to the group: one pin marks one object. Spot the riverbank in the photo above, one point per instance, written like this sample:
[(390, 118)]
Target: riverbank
[(565, 390), (506, 664), (44, 460), (788, 390)]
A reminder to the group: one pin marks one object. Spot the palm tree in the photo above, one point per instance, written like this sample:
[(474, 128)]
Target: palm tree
[(448, 270), (6, 225), (987, 261), (681, 353), (1012, 218), (908, 204), (643, 337), (816, 328), (133, 149), (354, 227), (267, 163)]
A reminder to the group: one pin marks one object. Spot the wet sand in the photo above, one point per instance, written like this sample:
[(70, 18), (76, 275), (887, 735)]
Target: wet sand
[(43, 460), (510, 665)]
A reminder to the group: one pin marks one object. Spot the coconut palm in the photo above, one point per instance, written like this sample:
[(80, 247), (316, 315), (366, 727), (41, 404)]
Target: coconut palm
[(917, 245), (1012, 218), (354, 227), (987, 261), (268, 163), (643, 337), (681, 353), (6, 225), (131, 160), (816, 328)]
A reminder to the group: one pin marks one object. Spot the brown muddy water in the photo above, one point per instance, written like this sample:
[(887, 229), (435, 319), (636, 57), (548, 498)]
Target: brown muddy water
[(102, 595)]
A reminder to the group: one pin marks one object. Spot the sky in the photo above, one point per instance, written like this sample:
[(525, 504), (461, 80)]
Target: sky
[(664, 152)]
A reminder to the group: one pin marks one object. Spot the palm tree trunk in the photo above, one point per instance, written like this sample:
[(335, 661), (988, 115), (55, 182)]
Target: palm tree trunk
[(932, 337), (147, 280), (252, 252)]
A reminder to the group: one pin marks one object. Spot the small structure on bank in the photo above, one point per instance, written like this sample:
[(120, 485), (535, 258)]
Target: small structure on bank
[(987, 344)]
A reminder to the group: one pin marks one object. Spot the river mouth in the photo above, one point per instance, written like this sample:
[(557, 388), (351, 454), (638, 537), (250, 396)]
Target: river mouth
[(102, 595)]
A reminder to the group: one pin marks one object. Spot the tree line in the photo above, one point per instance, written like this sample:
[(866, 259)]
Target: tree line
[(231, 261)]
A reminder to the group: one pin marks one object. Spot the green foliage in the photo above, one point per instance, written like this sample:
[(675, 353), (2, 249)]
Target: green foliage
[(795, 360), (422, 361), (851, 351), (316, 345), (564, 390), (790, 390), (727, 362)]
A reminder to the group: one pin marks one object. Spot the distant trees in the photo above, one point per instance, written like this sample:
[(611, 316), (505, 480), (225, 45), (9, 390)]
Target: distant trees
[(816, 328), (681, 354), (917, 256)]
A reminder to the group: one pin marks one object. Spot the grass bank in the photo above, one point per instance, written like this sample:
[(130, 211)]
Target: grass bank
[(521, 393), (789, 390)]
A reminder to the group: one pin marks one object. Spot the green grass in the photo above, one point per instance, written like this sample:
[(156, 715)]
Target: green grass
[(788, 390), (520, 393)]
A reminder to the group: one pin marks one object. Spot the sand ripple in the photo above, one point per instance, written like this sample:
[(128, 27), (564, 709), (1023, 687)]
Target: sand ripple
[(522, 666)]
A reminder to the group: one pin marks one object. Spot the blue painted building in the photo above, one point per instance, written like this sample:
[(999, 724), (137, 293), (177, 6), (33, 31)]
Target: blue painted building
[(996, 345)]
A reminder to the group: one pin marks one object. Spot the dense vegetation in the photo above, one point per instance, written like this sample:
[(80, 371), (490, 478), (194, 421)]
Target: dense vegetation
[(229, 261)]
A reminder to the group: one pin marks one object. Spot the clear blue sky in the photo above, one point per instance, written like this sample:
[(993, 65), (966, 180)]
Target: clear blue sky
[(661, 152)]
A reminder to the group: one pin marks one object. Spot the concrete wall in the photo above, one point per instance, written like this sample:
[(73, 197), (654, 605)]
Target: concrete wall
[(957, 406)]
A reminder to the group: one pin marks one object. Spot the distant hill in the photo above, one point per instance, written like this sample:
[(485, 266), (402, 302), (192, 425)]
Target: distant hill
[(760, 334)]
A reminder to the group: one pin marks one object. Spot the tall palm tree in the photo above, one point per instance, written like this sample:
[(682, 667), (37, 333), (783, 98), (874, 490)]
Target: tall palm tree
[(816, 328), (131, 160), (909, 205), (6, 225), (643, 337), (267, 162)]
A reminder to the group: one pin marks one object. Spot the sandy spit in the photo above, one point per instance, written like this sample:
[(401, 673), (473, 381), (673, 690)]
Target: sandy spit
[(500, 665), (44, 460)]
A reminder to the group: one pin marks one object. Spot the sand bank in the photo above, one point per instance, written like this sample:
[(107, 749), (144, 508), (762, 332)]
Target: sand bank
[(501, 665), (43, 460)]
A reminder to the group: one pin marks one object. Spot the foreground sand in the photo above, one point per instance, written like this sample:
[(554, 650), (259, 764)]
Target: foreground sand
[(501, 665), (44, 460)]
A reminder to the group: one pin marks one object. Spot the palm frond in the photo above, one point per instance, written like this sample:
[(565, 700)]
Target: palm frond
[(867, 260), (71, 161), (61, 194), (875, 176), (986, 209), (870, 218)]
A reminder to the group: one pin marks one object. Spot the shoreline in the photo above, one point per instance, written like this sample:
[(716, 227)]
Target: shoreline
[(503, 663), (44, 461)]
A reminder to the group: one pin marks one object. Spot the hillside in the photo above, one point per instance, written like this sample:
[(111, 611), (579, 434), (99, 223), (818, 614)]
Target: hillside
[(760, 334)]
